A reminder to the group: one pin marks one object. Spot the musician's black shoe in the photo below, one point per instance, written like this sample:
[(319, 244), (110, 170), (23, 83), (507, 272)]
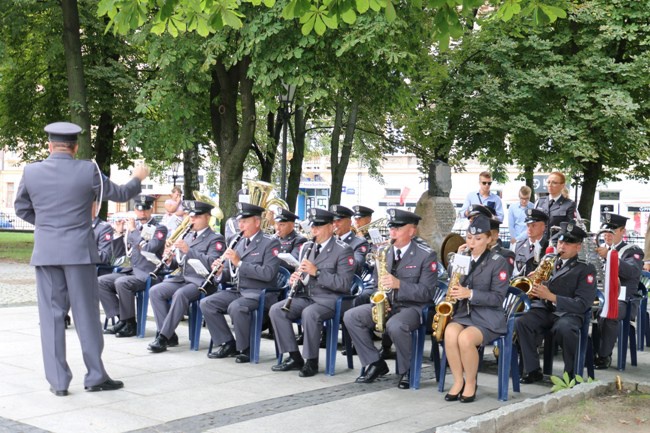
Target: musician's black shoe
[(345, 352), (244, 357), (108, 385), (115, 328), (602, 363), (373, 371), (309, 369), (224, 351), (130, 329), (173, 340), (454, 397), (323, 340), (68, 322), (299, 339), (404, 381), (386, 353), (59, 393), (289, 364), (532, 377), (159, 344)]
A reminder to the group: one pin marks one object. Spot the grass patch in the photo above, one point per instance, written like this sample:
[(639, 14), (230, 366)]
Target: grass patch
[(16, 247)]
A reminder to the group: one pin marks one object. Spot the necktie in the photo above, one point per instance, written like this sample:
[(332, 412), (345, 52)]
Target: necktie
[(531, 248), (194, 236), (248, 242), (317, 252), (559, 264), (550, 203), (398, 255)]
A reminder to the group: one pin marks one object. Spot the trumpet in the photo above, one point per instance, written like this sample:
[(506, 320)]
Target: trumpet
[(218, 266), (299, 283), (172, 239)]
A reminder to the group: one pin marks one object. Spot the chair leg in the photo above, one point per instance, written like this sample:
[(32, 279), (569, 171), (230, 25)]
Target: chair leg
[(435, 356), (503, 369), (195, 325), (331, 338), (621, 347), (142, 305), (632, 345), (417, 352), (347, 342), (443, 370)]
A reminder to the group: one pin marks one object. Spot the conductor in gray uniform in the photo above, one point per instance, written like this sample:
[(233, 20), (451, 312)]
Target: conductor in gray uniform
[(117, 291), (561, 305), (630, 265), (290, 240), (330, 266), (343, 230), (200, 243), (247, 267), (412, 275), (56, 195)]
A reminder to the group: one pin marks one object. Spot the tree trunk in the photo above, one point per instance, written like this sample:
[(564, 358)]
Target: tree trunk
[(75, 72), (104, 149), (529, 174), (191, 166), (591, 173), (340, 166), (232, 141), (267, 156), (295, 165)]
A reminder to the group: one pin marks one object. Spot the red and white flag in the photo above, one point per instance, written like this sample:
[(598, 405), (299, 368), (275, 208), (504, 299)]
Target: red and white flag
[(612, 286)]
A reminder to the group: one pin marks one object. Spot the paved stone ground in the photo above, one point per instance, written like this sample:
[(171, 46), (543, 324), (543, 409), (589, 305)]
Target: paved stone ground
[(184, 391)]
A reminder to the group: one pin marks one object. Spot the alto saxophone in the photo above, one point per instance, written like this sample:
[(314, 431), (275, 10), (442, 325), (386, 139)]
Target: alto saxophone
[(379, 299), (541, 273), (445, 309)]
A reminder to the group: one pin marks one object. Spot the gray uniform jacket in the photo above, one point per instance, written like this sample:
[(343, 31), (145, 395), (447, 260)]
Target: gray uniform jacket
[(564, 209), (259, 265), (141, 266), (489, 284), (104, 238), (336, 265), (206, 248), (507, 254), (63, 223), (575, 287), (360, 247), (291, 244), (417, 273), (525, 259), (630, 265)]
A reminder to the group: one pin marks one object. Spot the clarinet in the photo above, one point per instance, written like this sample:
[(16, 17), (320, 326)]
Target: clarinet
[(170, 254), (298, 284), (219, 265)]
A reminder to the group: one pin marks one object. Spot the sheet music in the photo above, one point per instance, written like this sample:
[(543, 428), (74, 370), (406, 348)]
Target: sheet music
[(198, 267), (376, 236), (289, 259), (460, 264), (151, 257)]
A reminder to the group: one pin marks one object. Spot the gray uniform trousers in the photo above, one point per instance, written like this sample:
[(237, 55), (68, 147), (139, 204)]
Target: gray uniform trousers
[(399, 326), (63, 287), (313, 315), (117, 294), (169, 316)]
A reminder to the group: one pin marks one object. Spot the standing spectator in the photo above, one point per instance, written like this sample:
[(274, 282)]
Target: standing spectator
[(171, 219), (55, 195), (517, 216), (483, 197), (557, 206)]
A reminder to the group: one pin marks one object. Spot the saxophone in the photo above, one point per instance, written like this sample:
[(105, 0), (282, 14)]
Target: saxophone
[(541, 273), (445, 309), (379, 299)]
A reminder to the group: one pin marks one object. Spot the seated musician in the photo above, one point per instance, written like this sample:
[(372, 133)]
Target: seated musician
[(117, 290), (529, 252), (285, 231), (343, 230), (411, 275), (330, 265), (630, 264), (479, 316), (200, 243), (247, 268), (560, 305)]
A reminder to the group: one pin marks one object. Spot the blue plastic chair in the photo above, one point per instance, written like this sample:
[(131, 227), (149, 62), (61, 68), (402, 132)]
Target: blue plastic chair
[(626, 332), (195, 322), (507, 361), (643, 317), (142, 305)]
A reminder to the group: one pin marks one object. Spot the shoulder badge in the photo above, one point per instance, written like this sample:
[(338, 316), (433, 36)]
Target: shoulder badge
[(267, 236), (341, 243), (423, 247)]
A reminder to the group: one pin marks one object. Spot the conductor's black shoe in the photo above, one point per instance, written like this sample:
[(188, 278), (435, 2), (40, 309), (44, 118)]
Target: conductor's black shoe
[(59, 393), (386, 353), (602, 363), (374, 370), (532, 377), (109, 385), (115, 328), (224, 351), (309, 369), (404, 381), (128, 330), (173, 340), (289, 364), (159, 344)]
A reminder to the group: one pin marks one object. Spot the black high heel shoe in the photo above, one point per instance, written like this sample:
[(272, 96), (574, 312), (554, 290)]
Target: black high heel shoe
[(454, 397), (468, 399)]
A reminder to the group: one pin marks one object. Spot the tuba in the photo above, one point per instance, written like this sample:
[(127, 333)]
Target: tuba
[(379, 299), (445, 309), (259, 193)]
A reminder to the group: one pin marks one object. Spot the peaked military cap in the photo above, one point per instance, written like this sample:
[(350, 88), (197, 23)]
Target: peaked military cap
[(480, 224), (362, 211), (479, 209), (283, 215), (535, 215), (144, 202), (571, 233), (195, 207), (320, 217), (612, 221), (245, 210), (341, 212), (494, 224), (62, 131), (399, 217)]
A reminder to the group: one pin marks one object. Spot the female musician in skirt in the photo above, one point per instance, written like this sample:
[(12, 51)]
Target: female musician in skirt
[(479, 316)]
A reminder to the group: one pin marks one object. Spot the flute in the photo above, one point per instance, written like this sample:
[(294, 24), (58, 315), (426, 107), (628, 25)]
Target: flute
[(219, 265)]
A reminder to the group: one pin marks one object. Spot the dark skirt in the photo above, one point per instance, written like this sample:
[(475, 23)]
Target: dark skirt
[(488, 336)]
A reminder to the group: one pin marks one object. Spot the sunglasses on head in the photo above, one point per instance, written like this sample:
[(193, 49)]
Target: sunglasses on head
[(486, 183)]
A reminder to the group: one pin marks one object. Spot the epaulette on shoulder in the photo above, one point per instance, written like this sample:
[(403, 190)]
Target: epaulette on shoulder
[(268, 236), (341, 243), (424, 247), (495, 256), (581, 260)]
